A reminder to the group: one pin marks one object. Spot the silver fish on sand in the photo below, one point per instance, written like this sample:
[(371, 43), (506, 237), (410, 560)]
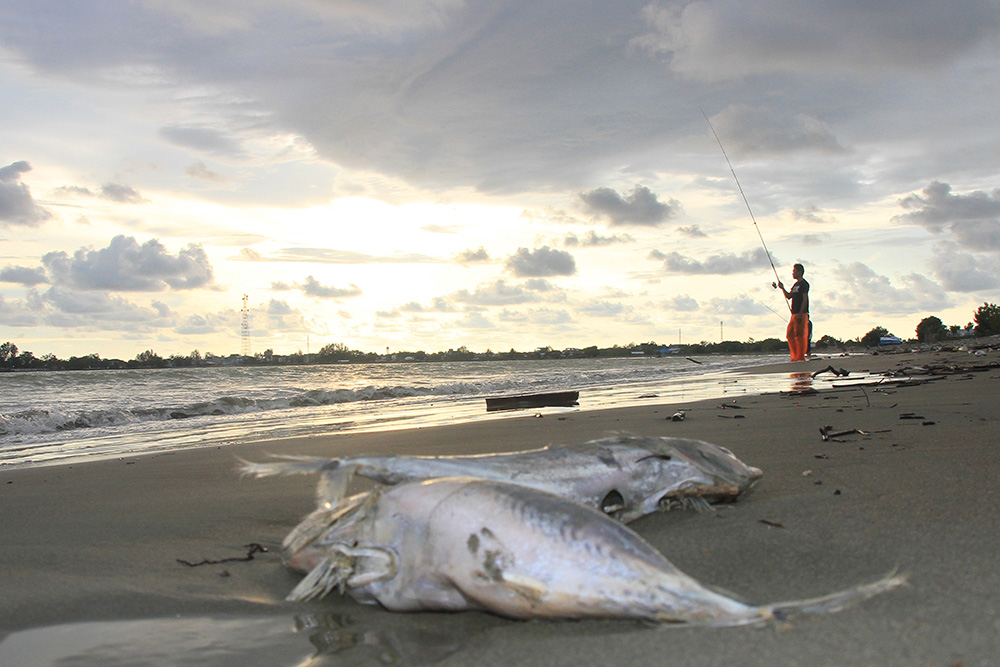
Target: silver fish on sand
[(460, 543), (624, 476)]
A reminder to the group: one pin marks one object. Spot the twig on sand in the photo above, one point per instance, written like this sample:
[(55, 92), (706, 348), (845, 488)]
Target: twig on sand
[(252, 549)]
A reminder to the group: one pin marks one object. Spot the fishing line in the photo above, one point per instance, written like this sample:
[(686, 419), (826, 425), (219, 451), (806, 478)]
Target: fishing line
[(759, 303), (743, 194)]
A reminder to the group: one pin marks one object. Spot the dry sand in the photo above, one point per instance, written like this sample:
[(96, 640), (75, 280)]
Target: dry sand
[(100, 542)]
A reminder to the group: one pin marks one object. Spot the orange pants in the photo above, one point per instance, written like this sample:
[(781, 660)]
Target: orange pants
[(798, 336)]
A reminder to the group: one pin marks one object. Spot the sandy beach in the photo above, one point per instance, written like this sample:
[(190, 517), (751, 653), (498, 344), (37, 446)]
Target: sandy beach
[(89, 555)]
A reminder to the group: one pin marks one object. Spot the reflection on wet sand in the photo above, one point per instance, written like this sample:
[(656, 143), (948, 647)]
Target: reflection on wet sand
[(312, 640), (801, 382)]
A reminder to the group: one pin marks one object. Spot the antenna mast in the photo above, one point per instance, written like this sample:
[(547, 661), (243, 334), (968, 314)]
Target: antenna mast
[(245, 329)]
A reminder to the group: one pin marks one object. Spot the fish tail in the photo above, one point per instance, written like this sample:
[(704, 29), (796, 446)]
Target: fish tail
[(834, 601)]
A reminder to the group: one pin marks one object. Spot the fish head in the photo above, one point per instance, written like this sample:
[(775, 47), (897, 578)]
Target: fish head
[(308, 543), (677, 472), (732, 476)]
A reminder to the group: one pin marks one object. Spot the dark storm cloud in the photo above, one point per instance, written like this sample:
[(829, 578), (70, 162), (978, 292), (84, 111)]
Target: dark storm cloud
[(505, 96), (17, 207), (724, 39), (972, 219), (127, 266), (541, 263), (640, 207), (719, 264)]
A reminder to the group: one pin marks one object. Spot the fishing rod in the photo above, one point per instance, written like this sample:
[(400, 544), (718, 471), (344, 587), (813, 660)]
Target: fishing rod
[(743, 194)]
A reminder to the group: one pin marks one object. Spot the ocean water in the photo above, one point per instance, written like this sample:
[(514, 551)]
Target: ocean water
[(54, 417)]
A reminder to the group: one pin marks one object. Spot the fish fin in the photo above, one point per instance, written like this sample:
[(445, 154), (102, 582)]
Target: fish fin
[(318, 521), (835, 601), (336, 474), (289, 465), (332, 486), (527, 587), (346, 567), (320, 581), (696, 503), (699, 504)]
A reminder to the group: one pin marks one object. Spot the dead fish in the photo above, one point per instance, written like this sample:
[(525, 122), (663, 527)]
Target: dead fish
[(624, 476), (453, 544)]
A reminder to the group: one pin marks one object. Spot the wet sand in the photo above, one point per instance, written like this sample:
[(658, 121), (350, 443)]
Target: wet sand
[(99, 542)]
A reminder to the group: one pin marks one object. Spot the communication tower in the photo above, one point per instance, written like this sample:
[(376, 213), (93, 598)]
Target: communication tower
[(245, 329)]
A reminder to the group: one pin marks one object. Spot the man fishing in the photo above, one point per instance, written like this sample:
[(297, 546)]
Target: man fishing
[(797, 332)]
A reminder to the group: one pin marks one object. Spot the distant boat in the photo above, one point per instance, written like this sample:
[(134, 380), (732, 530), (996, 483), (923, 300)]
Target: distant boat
[(562, 399)]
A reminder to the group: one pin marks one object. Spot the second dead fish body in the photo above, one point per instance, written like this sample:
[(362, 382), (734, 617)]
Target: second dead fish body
[(624, 476), (454, 544)]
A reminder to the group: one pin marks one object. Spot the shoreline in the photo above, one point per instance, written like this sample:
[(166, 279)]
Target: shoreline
[(100, 540)]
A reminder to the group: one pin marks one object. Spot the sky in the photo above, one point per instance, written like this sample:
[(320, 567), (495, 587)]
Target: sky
[(427, 174)]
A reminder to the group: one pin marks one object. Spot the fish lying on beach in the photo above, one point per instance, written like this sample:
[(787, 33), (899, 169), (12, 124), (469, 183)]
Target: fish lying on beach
[(624, 476), (453, 544)]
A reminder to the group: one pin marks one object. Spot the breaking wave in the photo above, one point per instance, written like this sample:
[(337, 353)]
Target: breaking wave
[(37, 421)]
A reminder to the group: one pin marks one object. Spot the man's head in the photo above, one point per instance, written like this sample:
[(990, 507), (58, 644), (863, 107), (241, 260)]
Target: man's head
[(798, 271)]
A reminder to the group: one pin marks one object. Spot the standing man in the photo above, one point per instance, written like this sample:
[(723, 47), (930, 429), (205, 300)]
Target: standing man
[(797, 332)]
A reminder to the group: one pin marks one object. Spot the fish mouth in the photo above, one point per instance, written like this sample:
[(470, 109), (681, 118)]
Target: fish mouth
[(699, 496)]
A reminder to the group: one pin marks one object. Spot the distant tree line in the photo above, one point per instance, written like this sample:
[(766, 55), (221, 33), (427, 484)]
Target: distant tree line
[(929, 330)]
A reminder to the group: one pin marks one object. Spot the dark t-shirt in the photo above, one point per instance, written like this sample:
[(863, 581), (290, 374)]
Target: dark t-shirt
[(799, 291)]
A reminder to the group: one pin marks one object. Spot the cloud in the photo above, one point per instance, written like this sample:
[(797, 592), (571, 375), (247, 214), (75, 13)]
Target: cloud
[(692, 231), (738, 305), (123, 194), (200, 171), (682, 302), (202, 139), (313, 288), (810, 214), (861, 290), (594, 240), (497, 293), (605, 309), (973, 219), (127, 266), (640, 207), (332, 256), (438, 305), (964, 272), (718, 264), (714, 40), (17, 207), (23, 275), (116, 192), (540, 263), (470, 256), (763, 131)]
